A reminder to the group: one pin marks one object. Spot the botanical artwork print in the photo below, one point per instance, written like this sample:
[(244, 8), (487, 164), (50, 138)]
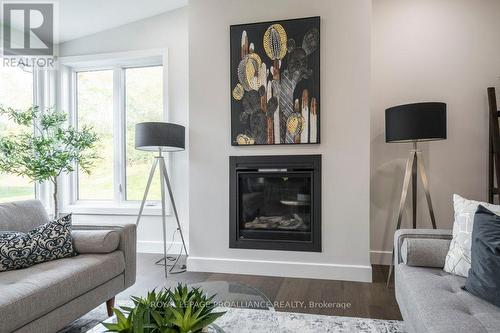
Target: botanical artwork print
[(49, 241), (275, 82)]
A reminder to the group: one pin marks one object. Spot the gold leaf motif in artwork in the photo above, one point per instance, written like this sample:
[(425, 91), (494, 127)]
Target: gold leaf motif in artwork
[(243, 139), (250, 72), (295, 123), (275, 42), (255, 57), (238, 92)]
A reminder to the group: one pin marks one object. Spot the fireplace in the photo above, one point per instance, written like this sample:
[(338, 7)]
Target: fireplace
[(275, 202)]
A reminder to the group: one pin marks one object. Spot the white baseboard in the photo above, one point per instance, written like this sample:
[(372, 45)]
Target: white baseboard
[(281, 268), (157, 247), (273, 268), (380, 257)]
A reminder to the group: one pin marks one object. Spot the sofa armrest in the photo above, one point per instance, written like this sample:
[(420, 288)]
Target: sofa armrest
[(402, 234), (95, 241), (425, 252), (128, 244)]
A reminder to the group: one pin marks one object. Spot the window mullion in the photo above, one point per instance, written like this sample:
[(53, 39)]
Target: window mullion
[(119, 134), (73, 121), (37, 100)]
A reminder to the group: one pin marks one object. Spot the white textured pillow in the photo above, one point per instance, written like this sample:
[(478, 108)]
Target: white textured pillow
[(458, 258)]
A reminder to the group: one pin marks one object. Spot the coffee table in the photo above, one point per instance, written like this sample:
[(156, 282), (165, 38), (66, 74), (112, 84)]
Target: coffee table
[(229, 296), (235, 295)]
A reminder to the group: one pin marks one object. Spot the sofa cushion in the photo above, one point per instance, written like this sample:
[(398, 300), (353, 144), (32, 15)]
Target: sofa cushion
[(434, 301), (30, 293), (22, 216), (49, 241), (484, 275), (458, 259), (95, 241)]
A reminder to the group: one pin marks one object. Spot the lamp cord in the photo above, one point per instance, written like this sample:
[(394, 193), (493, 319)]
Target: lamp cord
[(171, 258)]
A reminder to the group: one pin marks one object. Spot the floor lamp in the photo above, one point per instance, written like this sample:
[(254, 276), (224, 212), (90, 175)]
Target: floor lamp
[(161, 137), (413, 123)]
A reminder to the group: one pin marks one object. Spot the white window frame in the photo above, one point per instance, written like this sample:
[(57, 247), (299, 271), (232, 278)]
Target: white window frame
[(39, 90), (44, 96), (118, 63)]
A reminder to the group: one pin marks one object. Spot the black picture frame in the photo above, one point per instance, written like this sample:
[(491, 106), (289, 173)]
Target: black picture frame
[(299, 67)]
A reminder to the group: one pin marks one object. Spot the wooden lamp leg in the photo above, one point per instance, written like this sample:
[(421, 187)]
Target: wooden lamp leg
[(110, 304)]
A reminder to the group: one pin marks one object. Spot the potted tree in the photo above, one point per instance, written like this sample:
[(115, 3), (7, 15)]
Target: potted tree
[(49, 150)]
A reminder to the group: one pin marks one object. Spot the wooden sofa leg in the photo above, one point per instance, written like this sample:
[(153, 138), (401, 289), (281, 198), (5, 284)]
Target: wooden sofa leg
[(110, 303)]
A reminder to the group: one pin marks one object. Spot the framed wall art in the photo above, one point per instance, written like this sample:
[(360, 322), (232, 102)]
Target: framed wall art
[(275, 82)]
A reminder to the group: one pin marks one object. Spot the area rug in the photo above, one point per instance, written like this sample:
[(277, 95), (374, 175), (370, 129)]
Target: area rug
[(261, 321)]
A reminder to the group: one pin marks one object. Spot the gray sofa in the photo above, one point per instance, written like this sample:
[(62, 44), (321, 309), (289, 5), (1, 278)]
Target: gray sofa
[(430, 299), (48, 296)]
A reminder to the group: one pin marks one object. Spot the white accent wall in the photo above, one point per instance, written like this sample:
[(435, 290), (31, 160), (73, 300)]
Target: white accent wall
[(345, 139), (166, 31), (429, 50)]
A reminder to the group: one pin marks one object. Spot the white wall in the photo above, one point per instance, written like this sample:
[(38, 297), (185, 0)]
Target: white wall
[(169, 31), (435, 50), (431, 50), (345, 120)]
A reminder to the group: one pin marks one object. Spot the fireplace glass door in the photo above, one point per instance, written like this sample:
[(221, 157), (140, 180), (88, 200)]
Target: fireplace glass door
[(275, 205)]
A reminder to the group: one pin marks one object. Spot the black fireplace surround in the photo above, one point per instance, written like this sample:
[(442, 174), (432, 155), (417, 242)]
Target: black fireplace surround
[(275, 202)]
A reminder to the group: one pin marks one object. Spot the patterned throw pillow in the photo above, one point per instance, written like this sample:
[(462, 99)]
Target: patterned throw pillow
[(49, 241), (458, 259), (484, 275)]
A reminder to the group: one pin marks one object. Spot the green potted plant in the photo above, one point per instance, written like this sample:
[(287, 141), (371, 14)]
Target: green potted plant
[(182, 310), (49, 150)]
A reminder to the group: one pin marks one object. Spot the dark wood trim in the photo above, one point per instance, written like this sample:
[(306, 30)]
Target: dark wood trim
[(494, 146)]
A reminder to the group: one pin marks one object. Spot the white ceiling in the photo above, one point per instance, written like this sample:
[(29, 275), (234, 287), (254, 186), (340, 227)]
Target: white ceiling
[(78, 18)]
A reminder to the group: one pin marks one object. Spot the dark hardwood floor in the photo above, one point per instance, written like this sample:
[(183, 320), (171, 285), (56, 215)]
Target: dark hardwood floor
[(366, 300)]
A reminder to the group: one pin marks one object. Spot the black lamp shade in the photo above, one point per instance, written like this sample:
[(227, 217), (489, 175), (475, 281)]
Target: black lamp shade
[(415, 122), (155, 136)]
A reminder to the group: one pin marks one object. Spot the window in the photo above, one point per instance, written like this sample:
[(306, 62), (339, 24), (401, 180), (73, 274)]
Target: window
[(94, 103), (112, 100), (16, 91), (143, 102)]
